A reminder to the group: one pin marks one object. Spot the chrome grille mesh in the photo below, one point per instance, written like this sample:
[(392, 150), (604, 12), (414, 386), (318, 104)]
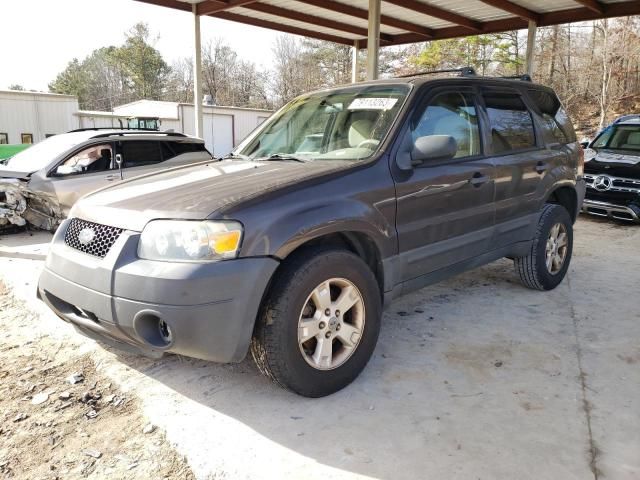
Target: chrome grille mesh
[(104, 237)]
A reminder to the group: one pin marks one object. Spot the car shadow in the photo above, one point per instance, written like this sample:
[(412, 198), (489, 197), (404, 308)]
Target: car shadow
[(437, 362)]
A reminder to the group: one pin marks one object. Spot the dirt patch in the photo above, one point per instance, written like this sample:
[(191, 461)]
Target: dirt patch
[(61, 418)]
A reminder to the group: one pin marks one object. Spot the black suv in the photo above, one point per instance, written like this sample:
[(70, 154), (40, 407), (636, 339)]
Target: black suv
[(342, 201), (612, 171)]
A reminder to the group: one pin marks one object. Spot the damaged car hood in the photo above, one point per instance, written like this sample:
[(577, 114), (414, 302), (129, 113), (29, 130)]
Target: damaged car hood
[(8, 173), (193, 192)]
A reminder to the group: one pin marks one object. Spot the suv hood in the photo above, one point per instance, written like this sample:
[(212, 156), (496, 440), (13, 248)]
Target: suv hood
[(193, 192), (620, 164)]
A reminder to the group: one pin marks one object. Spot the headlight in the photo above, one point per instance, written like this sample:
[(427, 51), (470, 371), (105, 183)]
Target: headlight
[(190, 241)]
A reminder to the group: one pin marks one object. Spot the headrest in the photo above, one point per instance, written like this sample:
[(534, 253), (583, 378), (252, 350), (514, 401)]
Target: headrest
[(105, 152), (359, 131), (634, 138)]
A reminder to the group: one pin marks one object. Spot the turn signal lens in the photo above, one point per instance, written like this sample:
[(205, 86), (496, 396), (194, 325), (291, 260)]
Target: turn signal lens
[(224, 243)]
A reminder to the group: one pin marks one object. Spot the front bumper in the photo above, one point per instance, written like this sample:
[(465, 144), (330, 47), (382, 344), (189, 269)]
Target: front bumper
[(209, 309), (606, 209)]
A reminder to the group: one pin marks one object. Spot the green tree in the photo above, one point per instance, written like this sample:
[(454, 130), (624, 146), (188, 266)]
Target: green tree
[(73, 80), (144, 69), (17, 86)]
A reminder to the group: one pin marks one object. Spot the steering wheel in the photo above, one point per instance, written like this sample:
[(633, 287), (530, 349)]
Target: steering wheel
[(369, 141)]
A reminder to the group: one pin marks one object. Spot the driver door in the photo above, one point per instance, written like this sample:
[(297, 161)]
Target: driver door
[(83, 172), (445, 208)]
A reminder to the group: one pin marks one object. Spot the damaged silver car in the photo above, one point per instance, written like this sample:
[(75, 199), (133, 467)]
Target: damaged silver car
[(38, 186)]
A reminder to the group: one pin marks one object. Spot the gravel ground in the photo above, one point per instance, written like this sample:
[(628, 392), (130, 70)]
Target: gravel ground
[(62, 418)]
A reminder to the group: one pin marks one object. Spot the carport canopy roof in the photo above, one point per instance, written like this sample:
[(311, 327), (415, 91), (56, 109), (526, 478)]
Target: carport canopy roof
[(402, 21)]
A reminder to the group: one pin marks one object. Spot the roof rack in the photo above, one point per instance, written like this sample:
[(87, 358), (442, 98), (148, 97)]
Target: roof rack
[(110, 128), (140, 131), (525, 78), (464, 72)]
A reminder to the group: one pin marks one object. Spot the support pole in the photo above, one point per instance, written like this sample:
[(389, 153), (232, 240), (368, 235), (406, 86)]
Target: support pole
[(197, 74), (354, 61), (531, 43), (373, 40)]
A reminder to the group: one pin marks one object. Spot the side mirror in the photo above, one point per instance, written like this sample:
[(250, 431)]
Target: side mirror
[(584, 143), (119, 163), (433, 147)]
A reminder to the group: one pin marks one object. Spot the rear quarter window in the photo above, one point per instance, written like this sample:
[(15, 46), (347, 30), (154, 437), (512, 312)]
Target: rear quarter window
[(556, 120)]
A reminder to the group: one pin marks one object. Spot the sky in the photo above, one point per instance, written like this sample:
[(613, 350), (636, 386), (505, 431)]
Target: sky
[(39, 37)]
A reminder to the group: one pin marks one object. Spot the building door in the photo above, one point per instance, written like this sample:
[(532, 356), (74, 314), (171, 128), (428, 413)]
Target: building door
[(218, 134)]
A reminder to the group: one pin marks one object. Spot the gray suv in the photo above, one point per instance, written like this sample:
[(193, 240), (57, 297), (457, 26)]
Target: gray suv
[(342, 201)]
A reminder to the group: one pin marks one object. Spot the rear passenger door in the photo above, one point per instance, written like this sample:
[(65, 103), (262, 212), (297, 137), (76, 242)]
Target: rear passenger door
[(139, 156), (445, 211), (520, 161)]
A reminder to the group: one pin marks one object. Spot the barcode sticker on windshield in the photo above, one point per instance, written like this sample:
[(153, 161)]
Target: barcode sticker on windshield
[(373, 104)]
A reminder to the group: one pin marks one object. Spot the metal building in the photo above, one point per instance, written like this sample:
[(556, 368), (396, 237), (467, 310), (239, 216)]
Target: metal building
[(29, 117)]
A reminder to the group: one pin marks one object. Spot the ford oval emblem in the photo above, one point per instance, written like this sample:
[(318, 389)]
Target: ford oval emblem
[(86, 236)]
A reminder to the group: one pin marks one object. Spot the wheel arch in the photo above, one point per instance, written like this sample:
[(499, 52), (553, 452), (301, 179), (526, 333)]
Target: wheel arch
[(566, 196)]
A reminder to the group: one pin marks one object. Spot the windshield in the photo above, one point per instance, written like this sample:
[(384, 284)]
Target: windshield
[(42, 154), (345, 124), (619, 137)]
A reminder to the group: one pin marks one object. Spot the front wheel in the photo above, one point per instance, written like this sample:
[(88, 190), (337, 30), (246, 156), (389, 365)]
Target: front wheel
[(548, 261), (319, 324)]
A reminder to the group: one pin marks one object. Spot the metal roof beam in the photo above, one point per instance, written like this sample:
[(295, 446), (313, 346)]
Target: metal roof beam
[(313, 20), (169, 4), (546, 19), (438, 12), (234, 17), (421, 31), (213, 6), (511, 7), (592, 5)]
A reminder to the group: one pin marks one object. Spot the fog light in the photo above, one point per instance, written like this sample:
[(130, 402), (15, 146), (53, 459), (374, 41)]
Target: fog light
[(152, 329)]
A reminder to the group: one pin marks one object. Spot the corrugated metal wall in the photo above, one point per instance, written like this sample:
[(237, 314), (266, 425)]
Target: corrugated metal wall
[(36, 113)]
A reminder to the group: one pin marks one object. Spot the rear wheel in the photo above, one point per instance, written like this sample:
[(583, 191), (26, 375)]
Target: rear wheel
[(319, 324), (548, 261)]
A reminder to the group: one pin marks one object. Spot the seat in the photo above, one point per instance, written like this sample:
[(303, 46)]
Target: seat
[(102, 163), (359, 131), (633, 141)]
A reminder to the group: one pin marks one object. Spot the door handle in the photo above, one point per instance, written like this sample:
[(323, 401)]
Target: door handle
[(541, 167), (478, 179)]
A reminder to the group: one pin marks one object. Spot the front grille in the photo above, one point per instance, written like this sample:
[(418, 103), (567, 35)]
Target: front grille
[(617, 184), (103, 239)]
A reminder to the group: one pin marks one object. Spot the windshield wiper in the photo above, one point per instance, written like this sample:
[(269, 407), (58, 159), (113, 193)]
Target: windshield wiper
[(284, 157)]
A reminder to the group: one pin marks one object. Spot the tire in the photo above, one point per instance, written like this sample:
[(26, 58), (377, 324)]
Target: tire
[(533, 269), (277, 347)]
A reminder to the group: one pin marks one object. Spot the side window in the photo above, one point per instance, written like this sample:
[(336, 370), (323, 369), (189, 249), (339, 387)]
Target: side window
[(138, 153), (187, 147), (554, 115), (4, 138), (511, 123), (454, 114), (96, 158)]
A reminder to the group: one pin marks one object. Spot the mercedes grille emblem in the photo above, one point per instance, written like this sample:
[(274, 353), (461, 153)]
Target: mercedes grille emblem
[(86, 236), (602, 183)]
